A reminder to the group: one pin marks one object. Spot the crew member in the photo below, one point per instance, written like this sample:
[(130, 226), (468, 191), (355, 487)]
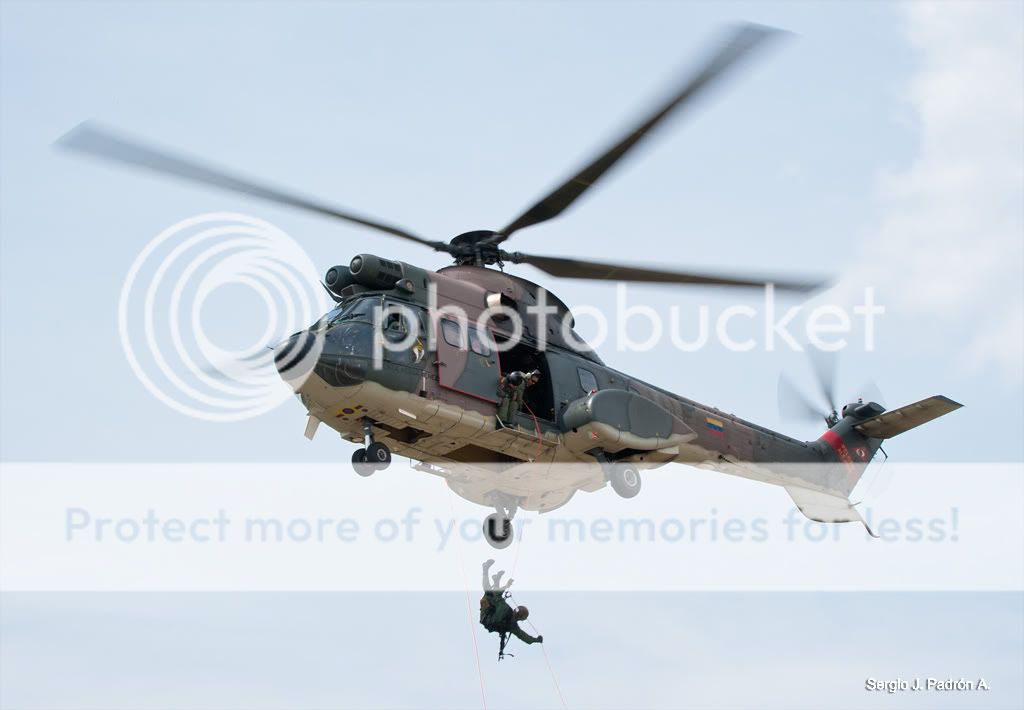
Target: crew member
[(512, 387), (497, 616)]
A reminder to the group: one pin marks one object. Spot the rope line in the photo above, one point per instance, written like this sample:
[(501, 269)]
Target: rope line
[(540, 449), (547, 659), (536, 426), (469, 609), (476, 649), (551, 671)]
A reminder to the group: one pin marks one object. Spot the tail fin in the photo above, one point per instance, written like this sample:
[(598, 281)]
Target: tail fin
[(896, 421), (854, 439)]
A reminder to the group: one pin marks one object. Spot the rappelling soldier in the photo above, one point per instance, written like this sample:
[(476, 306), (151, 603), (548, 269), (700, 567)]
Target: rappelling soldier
[(497, 616)]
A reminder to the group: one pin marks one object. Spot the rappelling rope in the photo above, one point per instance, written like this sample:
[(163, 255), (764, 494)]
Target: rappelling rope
[(536, 426), (551, 671), (547, 659), (540, 449), (515, 564), (469, 608)]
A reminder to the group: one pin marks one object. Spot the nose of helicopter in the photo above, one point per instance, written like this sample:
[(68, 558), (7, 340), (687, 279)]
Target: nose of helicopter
[(337, 357)]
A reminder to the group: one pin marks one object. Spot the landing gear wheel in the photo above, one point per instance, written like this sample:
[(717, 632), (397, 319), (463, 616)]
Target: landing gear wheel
[(360, 464), (378, 456), (498, 531), (625, 480)]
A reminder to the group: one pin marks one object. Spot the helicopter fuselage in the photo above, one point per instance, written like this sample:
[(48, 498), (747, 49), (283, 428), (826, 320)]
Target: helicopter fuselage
[(418, 356)]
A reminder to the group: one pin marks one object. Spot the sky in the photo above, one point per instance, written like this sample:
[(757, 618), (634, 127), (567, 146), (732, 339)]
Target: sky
[(879, 143)]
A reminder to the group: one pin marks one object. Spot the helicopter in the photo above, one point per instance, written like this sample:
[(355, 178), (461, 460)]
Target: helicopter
[(433, 394)]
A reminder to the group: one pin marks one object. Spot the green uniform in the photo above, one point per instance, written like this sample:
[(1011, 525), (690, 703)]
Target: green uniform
[(497, 616), (511, 399)]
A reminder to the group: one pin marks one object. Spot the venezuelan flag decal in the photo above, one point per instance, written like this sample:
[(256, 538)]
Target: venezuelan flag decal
[(715, 426)]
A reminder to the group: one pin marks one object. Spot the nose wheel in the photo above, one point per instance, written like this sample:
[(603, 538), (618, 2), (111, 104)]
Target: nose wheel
[(375, 457)]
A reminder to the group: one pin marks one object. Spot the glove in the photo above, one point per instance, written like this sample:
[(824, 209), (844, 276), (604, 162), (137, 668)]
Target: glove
[(540, 639)]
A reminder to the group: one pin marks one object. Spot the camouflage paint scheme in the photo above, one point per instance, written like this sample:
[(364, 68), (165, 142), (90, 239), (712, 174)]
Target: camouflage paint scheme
[(437, 407)]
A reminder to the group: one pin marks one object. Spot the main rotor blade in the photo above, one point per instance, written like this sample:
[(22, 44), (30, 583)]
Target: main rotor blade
[(793, 404), (580, 269), (98, 142), (742, 41)]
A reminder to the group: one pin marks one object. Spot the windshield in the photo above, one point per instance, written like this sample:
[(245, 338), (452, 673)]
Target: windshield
[(360, 309)]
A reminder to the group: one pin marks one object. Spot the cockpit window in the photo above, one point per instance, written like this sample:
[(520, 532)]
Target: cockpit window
[(395, 322), (360, 309)]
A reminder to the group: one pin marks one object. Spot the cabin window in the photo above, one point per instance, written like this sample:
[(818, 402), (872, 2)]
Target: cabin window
[(587, 380), (465, 338), (453, 334), (478, 344)]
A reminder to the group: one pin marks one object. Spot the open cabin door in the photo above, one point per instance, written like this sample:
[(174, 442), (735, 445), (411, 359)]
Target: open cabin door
[(466, 361), (538, 400)]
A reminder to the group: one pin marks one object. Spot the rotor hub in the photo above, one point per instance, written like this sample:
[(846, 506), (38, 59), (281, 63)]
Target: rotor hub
[(476, 248)]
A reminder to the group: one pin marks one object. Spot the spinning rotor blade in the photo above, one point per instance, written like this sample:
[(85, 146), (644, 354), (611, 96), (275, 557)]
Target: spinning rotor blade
[(793, 404), (741, 42), (824, 364), (97, 142), (871, 392), (581, 269)]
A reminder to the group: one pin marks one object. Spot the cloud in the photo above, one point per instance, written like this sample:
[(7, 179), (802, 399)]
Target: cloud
[(950, 246)]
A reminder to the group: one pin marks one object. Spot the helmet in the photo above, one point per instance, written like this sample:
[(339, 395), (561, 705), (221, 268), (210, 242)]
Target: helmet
[(515, 378), (522, 613), (533, 375)]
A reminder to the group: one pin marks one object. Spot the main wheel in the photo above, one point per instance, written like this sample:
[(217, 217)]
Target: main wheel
[(625, 480), (498, 531), (360, 464), (378, 455)]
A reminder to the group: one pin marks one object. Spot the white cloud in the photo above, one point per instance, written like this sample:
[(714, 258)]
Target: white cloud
[(950, 246)]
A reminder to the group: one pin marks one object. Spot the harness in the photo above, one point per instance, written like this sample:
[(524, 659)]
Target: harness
[(503, 634)]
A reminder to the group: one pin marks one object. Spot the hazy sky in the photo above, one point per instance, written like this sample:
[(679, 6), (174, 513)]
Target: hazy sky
[(880, 143)]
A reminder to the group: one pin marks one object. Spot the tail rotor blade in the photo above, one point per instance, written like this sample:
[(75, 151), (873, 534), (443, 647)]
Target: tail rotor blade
[(825, 365), (794, 405), (870, 392)]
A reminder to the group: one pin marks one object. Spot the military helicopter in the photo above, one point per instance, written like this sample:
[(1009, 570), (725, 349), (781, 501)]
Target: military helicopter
[(435, 399)]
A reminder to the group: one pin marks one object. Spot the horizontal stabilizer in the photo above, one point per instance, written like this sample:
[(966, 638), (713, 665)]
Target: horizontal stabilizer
[(825, 507), (897, 421)]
